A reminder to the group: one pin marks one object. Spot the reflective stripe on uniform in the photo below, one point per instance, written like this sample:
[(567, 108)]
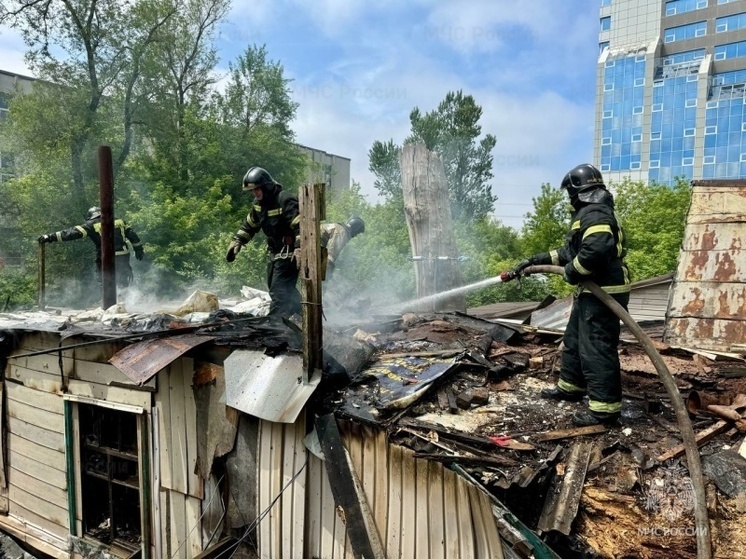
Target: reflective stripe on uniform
[(257, 208), (554, 255), (568, 386), (579, 267), (296, 221), (243, 234), (575, 225), (275, 212), (79, 228), (604, 407), (58, 234), (597, 229), (251, 222)]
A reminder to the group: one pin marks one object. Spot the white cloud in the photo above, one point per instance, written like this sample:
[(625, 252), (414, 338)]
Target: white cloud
[(12, 50)]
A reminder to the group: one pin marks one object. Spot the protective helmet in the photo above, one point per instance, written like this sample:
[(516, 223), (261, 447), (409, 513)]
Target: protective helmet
[(356, 226), (257, 177), (93, 213), (581, 181)]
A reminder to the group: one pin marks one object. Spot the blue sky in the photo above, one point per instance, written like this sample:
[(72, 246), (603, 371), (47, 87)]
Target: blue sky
[(359, 67)]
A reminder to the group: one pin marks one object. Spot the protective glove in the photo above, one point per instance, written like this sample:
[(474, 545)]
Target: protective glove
[(45, 239), (296, 257), (518, 270), (139, 253), (571, 275), (233, 249)]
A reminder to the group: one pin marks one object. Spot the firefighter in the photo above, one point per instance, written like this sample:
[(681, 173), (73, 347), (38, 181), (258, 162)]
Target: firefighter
[(276, 213), (594, 250), (92, 229), (334, 237)]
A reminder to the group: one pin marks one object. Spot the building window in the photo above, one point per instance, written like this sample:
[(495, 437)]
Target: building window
[(605, 23), (634, 166), (682, 6), (606, 141), (605, 3), (608, 87), (709, 160), (608, 114), (657, 83), (690, 103), (637, 110), (605, 167), (603, 45), (743, 158), (687, 161), (655, 135), (110, 475), (655, 163), (711, 130), (683, 32), (639, 82), (657, 107), (637, 137), (731, 50), (689, 131), (730, 23)]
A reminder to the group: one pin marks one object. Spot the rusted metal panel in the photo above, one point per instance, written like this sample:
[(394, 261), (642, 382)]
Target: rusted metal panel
[(708, 301), (144, 359)]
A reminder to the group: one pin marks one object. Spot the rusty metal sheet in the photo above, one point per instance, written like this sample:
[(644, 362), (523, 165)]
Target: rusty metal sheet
[(709, 300), (144, 359), (707, 308), (270, 388)]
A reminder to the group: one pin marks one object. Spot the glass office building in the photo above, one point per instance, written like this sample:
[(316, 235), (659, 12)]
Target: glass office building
[(671, 90)]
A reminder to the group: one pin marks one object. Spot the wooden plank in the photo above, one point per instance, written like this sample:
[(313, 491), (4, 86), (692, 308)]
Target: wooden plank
[(313, 518), (116, 394), (163, 407), (436, 510), (394, 516), (37, 452), (55, 514), (177, 430), (328, 515), (264, 530), (194, 482), (380, 495), (165, 497), (409, 505), (274, 519), (46, 382), (178, 527), (50, 493), (97, 353), (477, 522), (106, 374), (47, 363), (35, 398), (286, 501), (422, 505), (75, 413), (450, 505), (3, 453), (41, 418), (39, 471), (492, 535), (194, 538), (299, 487), (367, 472), (463, 512), (49, 439), (49, 544), (568, 433), (701, 438)]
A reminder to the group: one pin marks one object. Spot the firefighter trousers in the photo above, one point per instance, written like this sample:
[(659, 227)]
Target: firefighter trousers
[(282, 279), (590, 361)]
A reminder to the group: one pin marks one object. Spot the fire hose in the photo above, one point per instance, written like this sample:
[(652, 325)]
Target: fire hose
[(701, 520)]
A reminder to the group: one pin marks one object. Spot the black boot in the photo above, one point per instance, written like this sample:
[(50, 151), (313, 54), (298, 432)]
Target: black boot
[(585, 418), (559, 394)]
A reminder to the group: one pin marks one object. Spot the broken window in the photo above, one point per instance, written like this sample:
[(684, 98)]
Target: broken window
[(110, 484)]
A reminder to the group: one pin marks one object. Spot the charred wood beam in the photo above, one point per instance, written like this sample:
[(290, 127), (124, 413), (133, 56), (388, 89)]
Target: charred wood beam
[(348, 494)]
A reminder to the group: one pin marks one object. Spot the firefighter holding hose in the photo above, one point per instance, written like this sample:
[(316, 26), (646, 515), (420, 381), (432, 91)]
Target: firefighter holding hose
[(594, 250)]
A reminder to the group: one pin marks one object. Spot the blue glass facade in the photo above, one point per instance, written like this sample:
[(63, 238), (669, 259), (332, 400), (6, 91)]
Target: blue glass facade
[(624, 90), (731, 50), (730, 23), (682, 32), (725, 127), (674, 7)]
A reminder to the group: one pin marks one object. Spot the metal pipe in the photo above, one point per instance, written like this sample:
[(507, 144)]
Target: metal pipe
[(701, 520), (42, 276), (106, 197)]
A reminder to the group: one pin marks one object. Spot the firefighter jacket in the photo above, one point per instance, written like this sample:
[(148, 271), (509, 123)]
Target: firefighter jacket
[(277, 215), (594, 249), (92, 230), (334, 237)]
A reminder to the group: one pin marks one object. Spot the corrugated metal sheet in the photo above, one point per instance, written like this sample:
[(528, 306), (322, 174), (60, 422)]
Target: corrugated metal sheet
[(708, 302)]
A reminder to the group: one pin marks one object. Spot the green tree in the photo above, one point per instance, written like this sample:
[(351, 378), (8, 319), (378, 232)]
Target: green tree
[(453, 131), (546, 226), (654, 217)]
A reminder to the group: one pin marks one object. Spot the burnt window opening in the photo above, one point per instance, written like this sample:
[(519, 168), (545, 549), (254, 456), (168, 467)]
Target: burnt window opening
[(110, 465)]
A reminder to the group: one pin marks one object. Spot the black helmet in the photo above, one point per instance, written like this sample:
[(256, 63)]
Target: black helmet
[(93, 213), (356, 226), (582, 179), (256, 177)]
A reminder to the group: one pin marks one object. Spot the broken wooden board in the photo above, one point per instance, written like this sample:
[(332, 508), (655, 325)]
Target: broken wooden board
[(701, 438), (568, 433), (563, 497)]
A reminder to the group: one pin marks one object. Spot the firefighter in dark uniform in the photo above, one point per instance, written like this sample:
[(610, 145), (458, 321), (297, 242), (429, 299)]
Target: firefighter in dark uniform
[(92, 229), (594, 250), (276, 213)]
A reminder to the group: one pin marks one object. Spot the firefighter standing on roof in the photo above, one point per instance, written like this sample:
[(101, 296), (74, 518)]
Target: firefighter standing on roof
[(92, 229), (594, 250), (276, 213)]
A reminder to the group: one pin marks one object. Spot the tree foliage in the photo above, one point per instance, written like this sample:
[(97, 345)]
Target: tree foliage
[(453, 131)]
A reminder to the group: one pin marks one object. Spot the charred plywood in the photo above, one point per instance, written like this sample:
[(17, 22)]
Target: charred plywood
[(708, 301)]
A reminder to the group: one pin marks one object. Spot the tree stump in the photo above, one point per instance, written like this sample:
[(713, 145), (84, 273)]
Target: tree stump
[(428, 213)]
